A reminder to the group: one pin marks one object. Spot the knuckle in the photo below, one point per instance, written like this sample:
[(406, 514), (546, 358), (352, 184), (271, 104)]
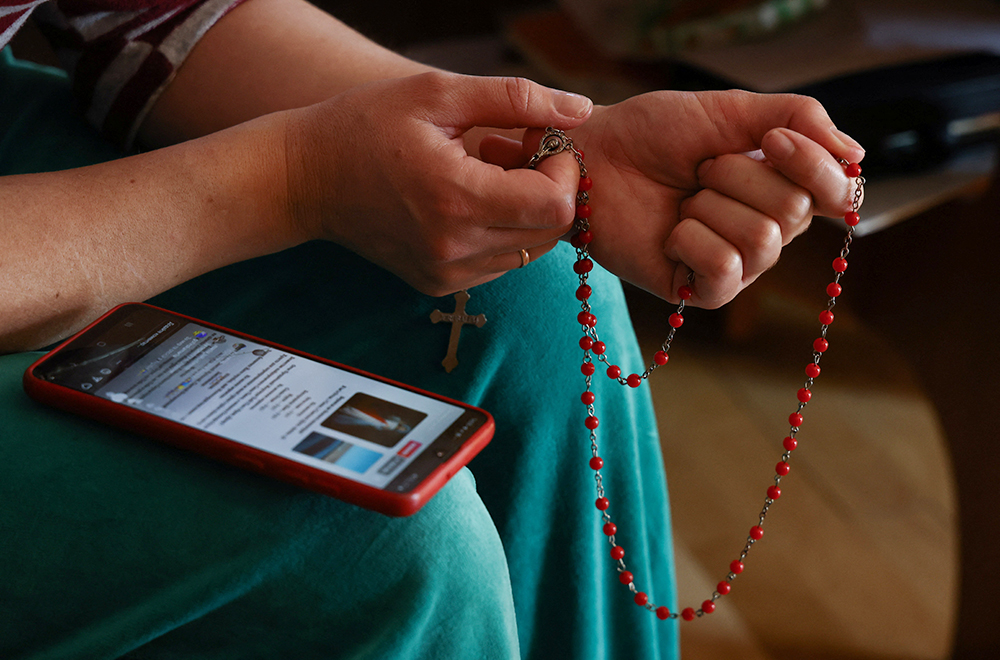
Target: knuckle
[(560, 214), (806, 104), (435, 82), (765, 239), (796, 208), (443, 249), (519, 92), (725, 265)]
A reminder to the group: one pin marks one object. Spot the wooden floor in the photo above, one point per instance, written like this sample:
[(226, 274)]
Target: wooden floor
[(860, 555)]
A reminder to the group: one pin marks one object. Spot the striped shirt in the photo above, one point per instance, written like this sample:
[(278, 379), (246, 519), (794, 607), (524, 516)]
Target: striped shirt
[(120, 54)]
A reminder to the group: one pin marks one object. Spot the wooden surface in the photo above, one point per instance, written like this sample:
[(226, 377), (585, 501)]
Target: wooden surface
[(860, 554)]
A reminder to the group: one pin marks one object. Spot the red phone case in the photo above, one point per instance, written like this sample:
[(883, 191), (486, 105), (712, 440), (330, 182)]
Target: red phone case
[(257, 460)]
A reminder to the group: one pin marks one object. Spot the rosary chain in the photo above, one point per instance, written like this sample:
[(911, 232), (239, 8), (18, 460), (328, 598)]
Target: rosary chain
[(556, 141)]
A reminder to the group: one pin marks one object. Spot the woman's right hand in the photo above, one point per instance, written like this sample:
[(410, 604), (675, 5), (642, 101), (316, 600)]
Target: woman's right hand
[(382, 170)]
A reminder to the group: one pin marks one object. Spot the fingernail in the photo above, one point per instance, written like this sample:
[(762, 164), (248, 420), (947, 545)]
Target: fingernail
[(846, 139), (571, 105), (779, 146)]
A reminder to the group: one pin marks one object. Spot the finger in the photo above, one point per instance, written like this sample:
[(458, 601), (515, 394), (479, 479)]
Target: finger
[(717, 264), (812, 167), (502, 151), (759, 113), (472, 272), (503, 240), (543, 198), (759, 186), (757, 237), (503, 102), (502, 263)]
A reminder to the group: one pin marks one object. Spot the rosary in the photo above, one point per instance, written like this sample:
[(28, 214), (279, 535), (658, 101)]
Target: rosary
[(556, 141)]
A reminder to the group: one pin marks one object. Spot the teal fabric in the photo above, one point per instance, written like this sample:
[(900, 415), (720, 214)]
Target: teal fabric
[(127, 547)]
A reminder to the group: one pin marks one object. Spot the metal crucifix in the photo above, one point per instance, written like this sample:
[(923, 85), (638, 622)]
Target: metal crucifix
[(458, 318)]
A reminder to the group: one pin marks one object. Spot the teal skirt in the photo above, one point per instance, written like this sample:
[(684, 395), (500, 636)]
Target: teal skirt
[(116, 546)]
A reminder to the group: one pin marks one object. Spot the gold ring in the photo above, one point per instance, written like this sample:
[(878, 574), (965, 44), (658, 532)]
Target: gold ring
[(524, 258)]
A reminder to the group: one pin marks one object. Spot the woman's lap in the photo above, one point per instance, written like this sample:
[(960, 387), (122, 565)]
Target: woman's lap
[(523, 366)]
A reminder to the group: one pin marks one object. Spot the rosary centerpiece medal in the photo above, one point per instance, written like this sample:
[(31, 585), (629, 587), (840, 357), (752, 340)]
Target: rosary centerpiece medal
[(555, 141)]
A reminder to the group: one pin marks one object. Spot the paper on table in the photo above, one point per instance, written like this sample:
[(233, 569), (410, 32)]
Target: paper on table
[(851, 36)]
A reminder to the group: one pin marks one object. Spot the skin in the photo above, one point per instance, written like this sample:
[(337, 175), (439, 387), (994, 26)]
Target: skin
[(310, 131), (719, 193)]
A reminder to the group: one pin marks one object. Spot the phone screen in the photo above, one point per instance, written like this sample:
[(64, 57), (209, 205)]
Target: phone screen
[(276, 401)]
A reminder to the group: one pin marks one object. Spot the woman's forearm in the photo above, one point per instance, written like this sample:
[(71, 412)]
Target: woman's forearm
[(76, 242)]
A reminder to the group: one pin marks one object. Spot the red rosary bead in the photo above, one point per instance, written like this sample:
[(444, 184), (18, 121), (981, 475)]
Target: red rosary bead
[(826, 317), (641, 598), (617, 552), (756, 532), (853, 170), (675, 320), (585, 184), (708, 607), (840, 264), (580, 239), (662, 613), (795, 419), (625, 577), (587, 398), (610, 529), (602, 504), (586, 343), (600, 347), (587, 368), (591, 422), (723, 587), (685, 292), (614, 371), (660, 358), (790, 443), (634, 380), (586, 319), (773, 493), (833, 289), (583, 292), (583, 266), (583, 211), (782, 468), (688, 614), (804, 395), (596, 463), (820, 345), (813, 370), (736, 567), (852, 218)]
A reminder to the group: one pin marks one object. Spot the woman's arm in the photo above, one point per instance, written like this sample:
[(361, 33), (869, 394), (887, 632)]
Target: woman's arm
[(264, 56), (76, 242)]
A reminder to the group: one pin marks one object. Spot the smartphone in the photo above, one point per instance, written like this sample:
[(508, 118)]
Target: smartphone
[(328, 427)]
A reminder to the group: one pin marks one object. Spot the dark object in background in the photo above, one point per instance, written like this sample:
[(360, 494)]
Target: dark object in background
[(399, 25), (913, 117)]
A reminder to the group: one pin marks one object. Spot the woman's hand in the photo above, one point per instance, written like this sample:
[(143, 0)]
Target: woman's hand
[(382, 169), (716, 183)]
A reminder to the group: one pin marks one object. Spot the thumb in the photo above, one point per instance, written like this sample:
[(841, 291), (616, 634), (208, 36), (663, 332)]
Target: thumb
[(507, 102)]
